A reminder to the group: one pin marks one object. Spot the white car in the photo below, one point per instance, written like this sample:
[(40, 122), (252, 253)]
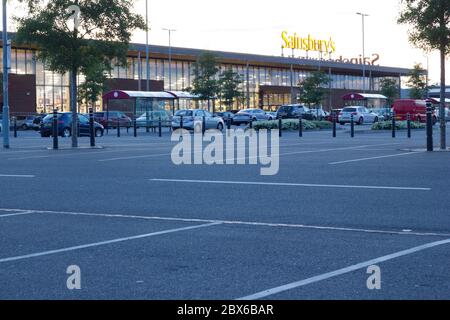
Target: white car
[(447, 113), (193, 119), (360, 115)]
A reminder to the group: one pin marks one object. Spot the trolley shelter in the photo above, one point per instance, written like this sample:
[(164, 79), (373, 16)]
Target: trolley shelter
[(367, 100), (136, 103)]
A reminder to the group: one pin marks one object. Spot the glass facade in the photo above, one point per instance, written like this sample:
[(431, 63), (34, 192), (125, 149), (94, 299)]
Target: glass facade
[(52, 89)]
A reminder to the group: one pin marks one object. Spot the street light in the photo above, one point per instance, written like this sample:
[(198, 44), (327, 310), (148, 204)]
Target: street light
[(363, 15), (6, 64), (170, 56), (147, 51)]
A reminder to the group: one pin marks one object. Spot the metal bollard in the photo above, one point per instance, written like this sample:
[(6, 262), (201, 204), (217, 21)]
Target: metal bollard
[(118, 128), (15, 127), (394, 126), (334, 125), (160, 127), (55, 129), (280, 127), (229, 123), (352, 124), (91, 127), (409, 125), (300, 126), (430, 144), (203, 125), (181, 122), (251, 123), (135, 127)]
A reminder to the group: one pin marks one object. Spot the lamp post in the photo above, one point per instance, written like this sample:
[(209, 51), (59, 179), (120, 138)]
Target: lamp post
[(6, 63), (363, 15), (147, 51), (170, 55)]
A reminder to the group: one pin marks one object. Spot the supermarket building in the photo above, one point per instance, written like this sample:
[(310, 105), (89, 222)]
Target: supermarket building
[(268, 81)]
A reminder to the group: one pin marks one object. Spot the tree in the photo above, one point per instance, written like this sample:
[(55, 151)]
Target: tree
[(390, 89), (417, 82), (430, 30), (205, 84), (229, 82), (94, 85), (99, 35), (313, 88)]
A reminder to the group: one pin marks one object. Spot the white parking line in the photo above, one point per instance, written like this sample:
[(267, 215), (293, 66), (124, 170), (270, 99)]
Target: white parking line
[(103, 243), (281, 154), (402, 232), (325, 276), (16, 214), (375, 158), (277, 184), (16, 176)]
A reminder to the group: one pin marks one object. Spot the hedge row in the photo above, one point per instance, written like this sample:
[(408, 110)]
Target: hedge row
[(292, 125), (399, 125)]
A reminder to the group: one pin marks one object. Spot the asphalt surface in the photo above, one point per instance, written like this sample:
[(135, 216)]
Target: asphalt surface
[(140, 227)]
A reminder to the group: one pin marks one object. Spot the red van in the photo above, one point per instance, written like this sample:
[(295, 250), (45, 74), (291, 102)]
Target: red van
[(416, 108)]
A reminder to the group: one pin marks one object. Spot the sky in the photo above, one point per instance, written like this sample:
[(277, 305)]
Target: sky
[(255, 27)]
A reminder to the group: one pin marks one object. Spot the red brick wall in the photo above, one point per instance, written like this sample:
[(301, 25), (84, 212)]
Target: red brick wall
[(22, 94)]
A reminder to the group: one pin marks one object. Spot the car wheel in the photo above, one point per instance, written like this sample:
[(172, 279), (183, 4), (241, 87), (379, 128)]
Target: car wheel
[(361, 121), (99, 133), (220, 127), (66, 133), (342, 123)]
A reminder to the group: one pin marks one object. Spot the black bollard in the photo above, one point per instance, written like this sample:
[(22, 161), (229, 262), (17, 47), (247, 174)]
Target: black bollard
[(280, 127), (15, 127), (91, 127), (251, 123), (55, 129), (135, 127), (118, 128), (300, 126), (394, 125), (430, 146), (352, 125), (160, 127), (229, 123), (203, 125), (334, 124), (181, 122), (409, 125)]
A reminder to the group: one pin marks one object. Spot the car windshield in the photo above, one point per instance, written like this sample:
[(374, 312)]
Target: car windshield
[(184, 113)]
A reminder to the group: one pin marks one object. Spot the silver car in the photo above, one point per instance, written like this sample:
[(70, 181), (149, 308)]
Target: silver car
[(153, 119), (193, 119), (360, 115)]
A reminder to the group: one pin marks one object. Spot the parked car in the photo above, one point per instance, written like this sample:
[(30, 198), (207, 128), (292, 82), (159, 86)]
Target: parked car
[(109, 119), (333, 112), (417, 109), (153, 119), (360, 115), (294, 111), (248, 115), (384, 114), (193, 119), (318, 114), (225, 116), (447, 113), (24, 122), (65, 126), (272, 115)]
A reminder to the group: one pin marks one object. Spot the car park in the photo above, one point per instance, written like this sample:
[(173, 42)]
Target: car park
[(151, 119), (110, 119), (250, 115), (360, 114), (193, 119), (294, 111), (65, 126)]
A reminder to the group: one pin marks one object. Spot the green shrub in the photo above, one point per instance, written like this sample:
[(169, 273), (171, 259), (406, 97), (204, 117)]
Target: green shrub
[(292, 125), (399, 125)]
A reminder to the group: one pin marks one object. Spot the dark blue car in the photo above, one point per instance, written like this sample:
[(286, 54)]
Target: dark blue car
[(65, 126)]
